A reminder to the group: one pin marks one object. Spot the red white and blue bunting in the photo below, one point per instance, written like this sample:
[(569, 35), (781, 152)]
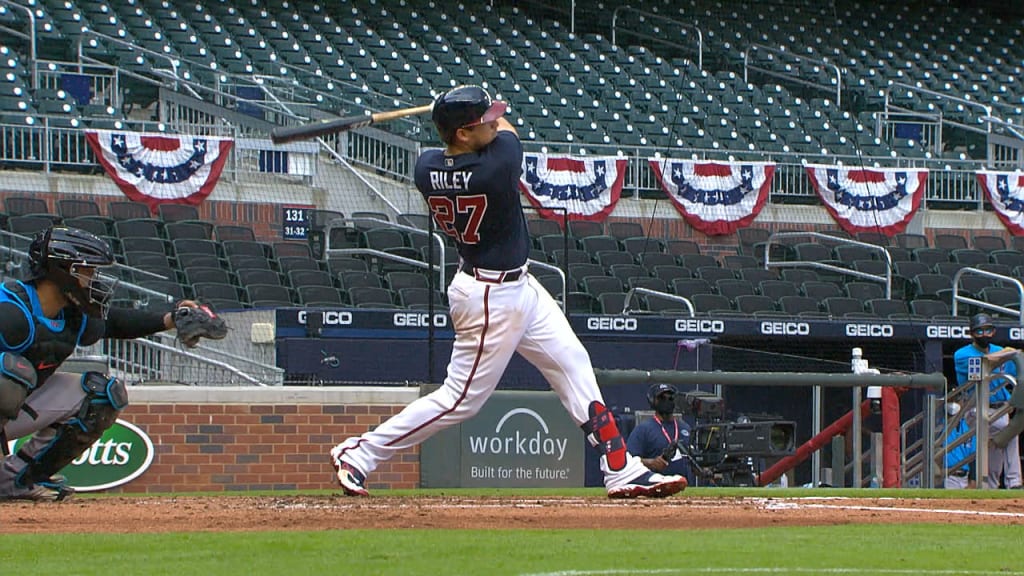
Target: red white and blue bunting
[(586, 187), (879, 200), (1005, 190), (161, 168), (716, 198)]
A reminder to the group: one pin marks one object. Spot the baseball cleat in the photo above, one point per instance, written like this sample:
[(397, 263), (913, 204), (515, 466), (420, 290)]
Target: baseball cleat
[(350, 479), (53, 490), (650, 485)]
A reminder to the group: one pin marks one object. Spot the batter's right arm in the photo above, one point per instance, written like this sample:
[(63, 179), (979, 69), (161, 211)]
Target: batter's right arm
[(506, 126)]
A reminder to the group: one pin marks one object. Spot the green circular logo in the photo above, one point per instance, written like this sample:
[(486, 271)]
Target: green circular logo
[(121, 455)]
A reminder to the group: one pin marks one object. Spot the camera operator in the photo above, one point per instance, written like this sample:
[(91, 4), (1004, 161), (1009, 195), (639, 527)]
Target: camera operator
[(656, 440)]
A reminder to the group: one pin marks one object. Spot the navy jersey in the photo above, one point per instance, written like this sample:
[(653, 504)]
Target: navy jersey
[(474, 197), (650, 438)]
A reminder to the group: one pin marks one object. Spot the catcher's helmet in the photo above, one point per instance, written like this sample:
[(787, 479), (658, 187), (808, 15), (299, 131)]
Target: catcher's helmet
[(464, 106), (657, 390), (981, 321), (60, 254)]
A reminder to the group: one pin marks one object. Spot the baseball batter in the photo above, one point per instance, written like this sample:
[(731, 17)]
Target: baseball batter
[(496, 306), (42, 320)]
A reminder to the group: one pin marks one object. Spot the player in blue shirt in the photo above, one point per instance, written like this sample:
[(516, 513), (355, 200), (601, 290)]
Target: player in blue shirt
[(497, 308), (656, 440), (1000, 460)]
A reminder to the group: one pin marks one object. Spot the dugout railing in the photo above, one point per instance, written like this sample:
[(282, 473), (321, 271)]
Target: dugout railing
[(780, 239)]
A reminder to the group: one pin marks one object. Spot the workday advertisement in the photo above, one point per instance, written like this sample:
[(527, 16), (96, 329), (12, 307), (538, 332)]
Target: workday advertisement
[(521, 440), (121, 455)]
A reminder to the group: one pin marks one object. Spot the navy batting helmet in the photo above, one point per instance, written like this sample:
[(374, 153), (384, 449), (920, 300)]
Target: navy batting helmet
[(60, 253), (464, 106)]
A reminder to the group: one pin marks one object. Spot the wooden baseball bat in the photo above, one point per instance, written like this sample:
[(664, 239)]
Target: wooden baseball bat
[(283, 134)]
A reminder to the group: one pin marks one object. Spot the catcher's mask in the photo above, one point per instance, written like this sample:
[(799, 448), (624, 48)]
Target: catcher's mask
[(74, 260)]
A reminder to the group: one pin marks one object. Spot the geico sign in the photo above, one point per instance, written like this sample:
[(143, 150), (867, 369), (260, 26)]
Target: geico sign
[(786, 328), (331, 317), (948, 332), (614, 323), (417, 319), (702, 326), (1016, 334), (869, 330)]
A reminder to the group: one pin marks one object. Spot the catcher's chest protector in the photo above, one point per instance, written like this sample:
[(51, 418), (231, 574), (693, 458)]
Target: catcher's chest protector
[(52, 340)]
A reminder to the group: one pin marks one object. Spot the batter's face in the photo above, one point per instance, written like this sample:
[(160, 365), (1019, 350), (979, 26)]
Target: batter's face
[(479, 135)]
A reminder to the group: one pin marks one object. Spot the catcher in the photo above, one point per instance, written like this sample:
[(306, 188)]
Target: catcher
[(65, 304)]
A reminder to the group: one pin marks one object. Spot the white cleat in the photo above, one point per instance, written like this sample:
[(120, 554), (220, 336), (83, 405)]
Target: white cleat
[(350, 479), (650, 485)]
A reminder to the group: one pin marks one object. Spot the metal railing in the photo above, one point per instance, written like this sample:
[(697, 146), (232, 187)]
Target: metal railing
[(885, 280), (368, 251), (142, 361), (958, 298), (627, 309)]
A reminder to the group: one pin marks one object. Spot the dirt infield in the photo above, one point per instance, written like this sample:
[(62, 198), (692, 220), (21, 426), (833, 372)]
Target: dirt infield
[(246, 513)]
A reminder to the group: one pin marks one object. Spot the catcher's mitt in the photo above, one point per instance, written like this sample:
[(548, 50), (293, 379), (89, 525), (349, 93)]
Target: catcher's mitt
[(199, 322)]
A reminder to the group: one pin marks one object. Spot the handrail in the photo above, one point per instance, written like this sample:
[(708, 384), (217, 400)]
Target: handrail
[(700, 35), (755, 46), (885, 280), (31, 38), (640, 290), (557, 270), (201, 359), (957, 298), (389, 224), (986, 109), (174, 61)]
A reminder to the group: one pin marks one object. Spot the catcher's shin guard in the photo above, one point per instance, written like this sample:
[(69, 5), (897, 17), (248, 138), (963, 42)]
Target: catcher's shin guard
[(105, 398), (603, 434)]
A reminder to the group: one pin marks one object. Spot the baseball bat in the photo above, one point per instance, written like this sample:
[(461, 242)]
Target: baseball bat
[(283, 134)]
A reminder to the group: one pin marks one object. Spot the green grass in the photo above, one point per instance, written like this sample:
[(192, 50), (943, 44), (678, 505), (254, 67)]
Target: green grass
[(850, 549)]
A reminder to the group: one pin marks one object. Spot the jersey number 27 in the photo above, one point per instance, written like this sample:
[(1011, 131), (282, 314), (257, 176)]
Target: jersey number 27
[(460, 217)]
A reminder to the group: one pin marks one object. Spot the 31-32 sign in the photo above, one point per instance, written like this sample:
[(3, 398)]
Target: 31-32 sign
[(295, 222)]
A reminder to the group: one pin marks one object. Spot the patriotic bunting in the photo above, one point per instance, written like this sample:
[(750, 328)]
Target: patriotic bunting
[(1005, 190), (160, 168), (714, 197), (586, 187), (870, 200)]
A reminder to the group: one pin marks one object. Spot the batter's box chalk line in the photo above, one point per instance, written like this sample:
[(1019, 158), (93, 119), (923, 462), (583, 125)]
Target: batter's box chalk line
[(843, 571)]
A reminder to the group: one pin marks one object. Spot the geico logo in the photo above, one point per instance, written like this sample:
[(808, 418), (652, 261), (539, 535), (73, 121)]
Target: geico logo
[(948, 332), (331, 317), (414, 319), (1016, 333), (695, 325), (873, 330), (786, 328), (611, 323)]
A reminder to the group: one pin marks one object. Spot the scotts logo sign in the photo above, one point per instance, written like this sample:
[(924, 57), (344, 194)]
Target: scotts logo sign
[(121, 455)]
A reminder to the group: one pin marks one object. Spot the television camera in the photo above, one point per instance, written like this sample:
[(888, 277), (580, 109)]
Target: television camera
[(729, 453)]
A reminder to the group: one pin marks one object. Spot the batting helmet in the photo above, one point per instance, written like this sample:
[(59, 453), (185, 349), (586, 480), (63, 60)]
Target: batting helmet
[(59, 252), (981, 321), (464, 106), (657, 390)]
